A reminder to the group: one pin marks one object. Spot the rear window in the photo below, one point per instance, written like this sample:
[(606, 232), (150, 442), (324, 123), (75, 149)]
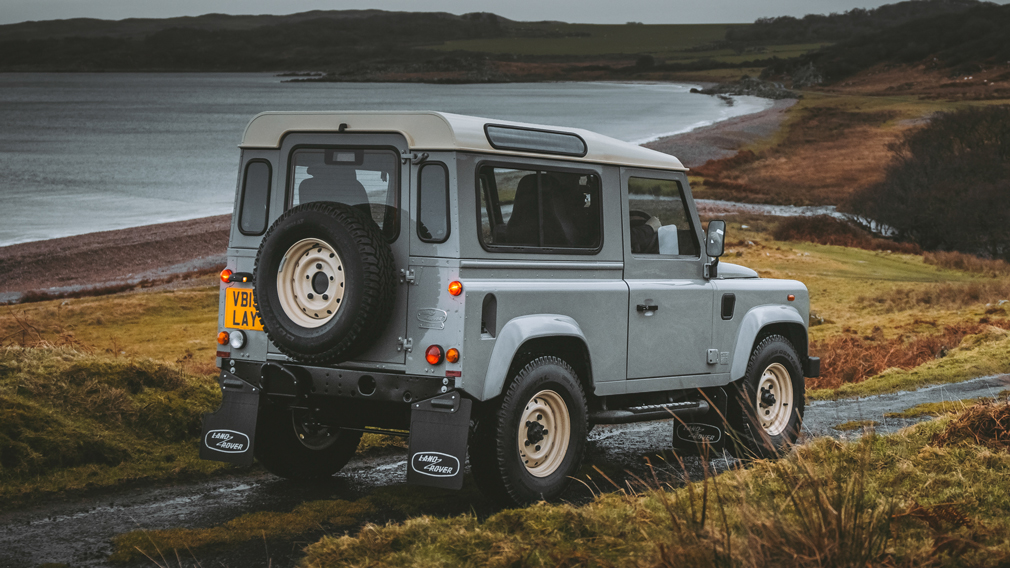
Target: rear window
[(364, 179), (539, 210)]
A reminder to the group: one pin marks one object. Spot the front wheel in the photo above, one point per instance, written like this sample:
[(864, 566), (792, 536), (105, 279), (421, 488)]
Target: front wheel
[(767, 410), (529, 448), (291, 444)]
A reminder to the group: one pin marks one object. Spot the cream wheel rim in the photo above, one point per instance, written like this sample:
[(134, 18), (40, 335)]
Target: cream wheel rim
[(545, 428), (310, 283), (773, 400)]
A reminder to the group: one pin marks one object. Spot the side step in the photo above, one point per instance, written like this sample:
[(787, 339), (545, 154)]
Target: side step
[(650, 412)]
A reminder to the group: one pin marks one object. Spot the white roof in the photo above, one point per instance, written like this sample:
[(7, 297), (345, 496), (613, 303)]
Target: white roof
[(428, 131)]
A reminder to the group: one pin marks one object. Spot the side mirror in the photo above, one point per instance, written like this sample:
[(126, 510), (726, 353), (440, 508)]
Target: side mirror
[(715, 241)]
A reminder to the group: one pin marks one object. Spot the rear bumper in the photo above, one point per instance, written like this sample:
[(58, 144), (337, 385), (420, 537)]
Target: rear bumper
[(279, 381)]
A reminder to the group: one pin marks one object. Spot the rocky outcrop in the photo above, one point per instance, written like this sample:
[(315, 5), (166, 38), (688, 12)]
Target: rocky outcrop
[(750, 86)]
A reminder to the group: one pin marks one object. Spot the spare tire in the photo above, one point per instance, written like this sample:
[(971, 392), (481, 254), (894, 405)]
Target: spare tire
[(325, 282)]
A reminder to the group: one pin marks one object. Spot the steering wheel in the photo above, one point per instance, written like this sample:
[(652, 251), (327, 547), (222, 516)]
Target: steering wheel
[(637, 217)]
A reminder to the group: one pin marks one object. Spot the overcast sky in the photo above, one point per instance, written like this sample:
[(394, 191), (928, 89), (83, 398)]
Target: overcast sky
[(586, 11)]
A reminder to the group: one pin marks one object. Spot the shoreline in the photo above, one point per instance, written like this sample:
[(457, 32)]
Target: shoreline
[(160, 251)]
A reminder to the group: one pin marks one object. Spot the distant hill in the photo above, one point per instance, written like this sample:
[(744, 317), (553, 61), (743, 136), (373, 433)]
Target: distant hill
[(216, 42), (959, 43), (835, 27)]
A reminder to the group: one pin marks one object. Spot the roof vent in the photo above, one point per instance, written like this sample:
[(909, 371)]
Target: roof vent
[(533, 140)]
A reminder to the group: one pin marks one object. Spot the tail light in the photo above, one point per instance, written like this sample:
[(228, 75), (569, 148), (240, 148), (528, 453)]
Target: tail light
[(433, 354)]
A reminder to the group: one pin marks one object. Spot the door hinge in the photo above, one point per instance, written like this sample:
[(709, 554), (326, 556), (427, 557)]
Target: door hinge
[(404, 344), (413, 157), (407, 276)]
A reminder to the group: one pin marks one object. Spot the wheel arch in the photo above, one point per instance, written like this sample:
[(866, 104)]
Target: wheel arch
[(550, 334), (760, 322)]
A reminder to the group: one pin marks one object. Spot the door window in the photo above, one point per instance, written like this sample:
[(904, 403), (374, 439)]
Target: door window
[(659, 219)]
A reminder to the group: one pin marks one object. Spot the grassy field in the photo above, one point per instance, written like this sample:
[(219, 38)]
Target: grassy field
[(935, 494), (829, 146)]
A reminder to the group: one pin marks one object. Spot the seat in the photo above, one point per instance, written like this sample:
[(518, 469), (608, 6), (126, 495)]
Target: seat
[(523, 225), (333, 183)]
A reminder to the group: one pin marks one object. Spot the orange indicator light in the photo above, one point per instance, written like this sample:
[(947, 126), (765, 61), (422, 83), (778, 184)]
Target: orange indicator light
[(452, 355), (222, 338), (790, 297), (455, 287), (225, 275)]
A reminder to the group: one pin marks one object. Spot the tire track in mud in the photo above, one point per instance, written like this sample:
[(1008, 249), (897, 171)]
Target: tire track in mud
[(78, 531)]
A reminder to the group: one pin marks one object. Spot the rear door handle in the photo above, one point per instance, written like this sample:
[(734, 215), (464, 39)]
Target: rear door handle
[(646, 308)]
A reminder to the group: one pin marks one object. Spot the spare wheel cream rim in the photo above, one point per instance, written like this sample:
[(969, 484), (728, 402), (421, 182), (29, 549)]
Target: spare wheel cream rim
[(310, 283), (774, 399), (545, 429)]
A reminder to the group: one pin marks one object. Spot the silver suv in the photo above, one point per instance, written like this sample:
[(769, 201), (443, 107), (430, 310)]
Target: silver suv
[(491, 290)]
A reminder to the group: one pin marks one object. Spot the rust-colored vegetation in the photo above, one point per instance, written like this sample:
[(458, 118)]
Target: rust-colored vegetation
[(983, 424), (827, 153), (852, 358)]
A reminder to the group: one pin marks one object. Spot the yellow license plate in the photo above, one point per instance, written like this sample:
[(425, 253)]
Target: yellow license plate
[(239, 312)]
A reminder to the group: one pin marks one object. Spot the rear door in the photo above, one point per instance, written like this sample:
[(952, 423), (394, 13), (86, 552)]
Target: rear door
[(365, 171), (670, 307)]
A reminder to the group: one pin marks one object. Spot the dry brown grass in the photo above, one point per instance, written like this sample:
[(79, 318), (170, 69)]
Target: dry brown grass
[(983, 424), (968, 263), (852, 358), (825, 154)]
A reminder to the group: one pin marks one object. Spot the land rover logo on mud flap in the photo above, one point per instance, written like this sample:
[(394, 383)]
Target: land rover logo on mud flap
[(432, 318), (227, 441), (698, 433), (435, 464)]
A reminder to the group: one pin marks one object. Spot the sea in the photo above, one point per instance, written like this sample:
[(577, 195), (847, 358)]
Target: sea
[(87, 152)]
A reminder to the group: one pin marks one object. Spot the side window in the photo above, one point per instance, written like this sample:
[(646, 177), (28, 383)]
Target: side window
[(433, 203), (659, 219), (255, 198), (539, 209), (364, 179)]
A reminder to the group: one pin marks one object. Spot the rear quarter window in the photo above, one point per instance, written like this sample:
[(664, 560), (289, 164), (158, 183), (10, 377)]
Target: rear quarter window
[(255, 198), (433, 203)]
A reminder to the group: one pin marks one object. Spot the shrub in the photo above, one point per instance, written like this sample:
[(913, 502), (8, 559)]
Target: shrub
[(948, 184), (968, 263), (828, 230)]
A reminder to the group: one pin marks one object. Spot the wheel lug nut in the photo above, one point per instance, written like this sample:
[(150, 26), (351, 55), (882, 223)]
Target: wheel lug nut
[(310, 296), (319, 266), (538, 448), (325, 297), (540, 416), (545, 431), (527, 442)]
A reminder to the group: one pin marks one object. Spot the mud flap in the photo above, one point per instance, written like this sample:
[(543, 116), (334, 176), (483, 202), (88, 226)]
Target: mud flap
[(698, 435), (438, 433), (229, 433)]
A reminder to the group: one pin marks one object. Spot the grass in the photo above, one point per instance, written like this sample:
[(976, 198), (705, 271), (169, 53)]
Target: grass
[(856, 425), (75, 421), (931, 495)]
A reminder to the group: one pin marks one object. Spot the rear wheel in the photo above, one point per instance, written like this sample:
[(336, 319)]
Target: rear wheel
[(767, 410), (528, 447), (293, 445)]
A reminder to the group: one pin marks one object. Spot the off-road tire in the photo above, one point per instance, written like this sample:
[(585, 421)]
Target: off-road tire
[(495, 460), (369, 291), (279, 450), (748, 437)]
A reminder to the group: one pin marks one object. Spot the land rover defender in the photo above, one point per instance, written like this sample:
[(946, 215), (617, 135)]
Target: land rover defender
[(491, 290)]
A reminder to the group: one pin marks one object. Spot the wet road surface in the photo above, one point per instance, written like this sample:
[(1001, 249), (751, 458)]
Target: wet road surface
[(78, 531)]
